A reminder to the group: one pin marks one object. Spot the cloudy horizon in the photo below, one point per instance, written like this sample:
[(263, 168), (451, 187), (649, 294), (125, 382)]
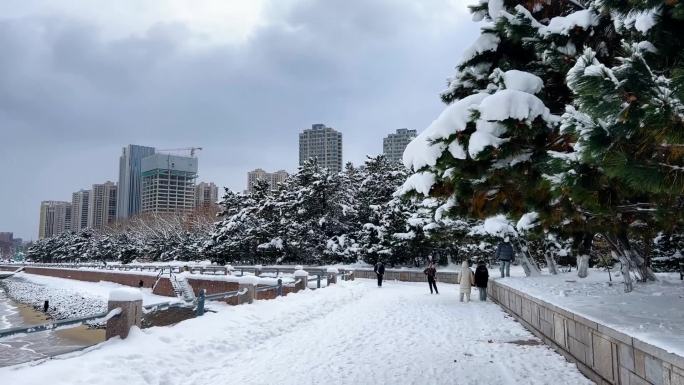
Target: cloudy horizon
[(241, 79)]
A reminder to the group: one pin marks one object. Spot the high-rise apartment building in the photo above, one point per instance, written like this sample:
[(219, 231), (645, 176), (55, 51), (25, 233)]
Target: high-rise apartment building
[(79, 210), (55, 218), (6, 244), (323, 144), (393, 145), (102, 205), (206, 195), (272, 178), (129, 194), (168, 184)]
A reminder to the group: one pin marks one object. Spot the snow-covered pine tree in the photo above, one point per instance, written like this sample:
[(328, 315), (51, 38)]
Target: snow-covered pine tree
[(379, 217), (487, 151), (560, 36), (627, 119)]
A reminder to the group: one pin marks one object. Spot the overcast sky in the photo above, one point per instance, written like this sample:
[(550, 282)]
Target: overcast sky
[(79, 79)]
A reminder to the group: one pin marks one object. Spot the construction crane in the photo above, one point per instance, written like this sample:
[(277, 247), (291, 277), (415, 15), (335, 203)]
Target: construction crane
[(191, 149)]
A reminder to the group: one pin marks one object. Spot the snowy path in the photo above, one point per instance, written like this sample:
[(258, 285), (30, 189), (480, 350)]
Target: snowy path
[(350, 334)]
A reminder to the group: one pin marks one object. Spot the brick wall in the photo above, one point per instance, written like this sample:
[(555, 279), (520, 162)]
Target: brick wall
[(603, 354)]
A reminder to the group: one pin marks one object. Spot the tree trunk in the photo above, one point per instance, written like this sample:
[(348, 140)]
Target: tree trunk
[(630, 258), (526, 262), (625, 269), (583, 243), (583, 266), (551, 262), (637, 261)]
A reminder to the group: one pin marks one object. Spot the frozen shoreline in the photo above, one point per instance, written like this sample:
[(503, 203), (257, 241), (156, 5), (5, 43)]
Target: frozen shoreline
[(67, 298)]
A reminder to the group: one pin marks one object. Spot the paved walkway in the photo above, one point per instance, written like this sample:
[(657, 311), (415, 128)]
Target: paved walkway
[(354, 333)]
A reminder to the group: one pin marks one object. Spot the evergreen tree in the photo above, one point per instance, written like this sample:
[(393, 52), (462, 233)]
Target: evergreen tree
[(626, 176), (488, 150)]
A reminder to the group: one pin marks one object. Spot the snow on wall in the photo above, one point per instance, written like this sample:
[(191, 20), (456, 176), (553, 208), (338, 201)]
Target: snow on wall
[(125, 294)]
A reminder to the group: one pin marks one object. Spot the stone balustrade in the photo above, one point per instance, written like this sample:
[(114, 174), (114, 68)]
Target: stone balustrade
[(603, 354)]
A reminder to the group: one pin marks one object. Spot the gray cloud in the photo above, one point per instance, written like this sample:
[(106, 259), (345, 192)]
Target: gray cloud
[(70, 98)]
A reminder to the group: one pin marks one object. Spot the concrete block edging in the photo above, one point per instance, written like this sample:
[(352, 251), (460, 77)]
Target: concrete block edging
[(601, 353)]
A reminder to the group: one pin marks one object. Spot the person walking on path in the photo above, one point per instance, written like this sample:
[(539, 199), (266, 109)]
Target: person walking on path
[(481, 278), (379, 271), (505, 255), (431, 273), (466, 281)]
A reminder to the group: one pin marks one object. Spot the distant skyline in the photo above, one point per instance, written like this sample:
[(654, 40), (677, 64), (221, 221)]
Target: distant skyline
[(82, 79)]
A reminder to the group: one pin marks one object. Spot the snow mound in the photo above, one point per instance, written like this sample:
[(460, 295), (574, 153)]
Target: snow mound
[(420, 182), (513, 104), (456, 150), (486, 42), (423, 150), (497, 225), (562, 25), (494, 8), (522, 81), (527, 221)]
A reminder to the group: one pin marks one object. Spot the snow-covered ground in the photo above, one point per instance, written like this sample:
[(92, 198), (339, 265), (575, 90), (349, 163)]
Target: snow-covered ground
[(68, 298), (653, 312), (352, 333)]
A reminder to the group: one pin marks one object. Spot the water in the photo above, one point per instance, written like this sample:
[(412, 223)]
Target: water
[(23, 348)]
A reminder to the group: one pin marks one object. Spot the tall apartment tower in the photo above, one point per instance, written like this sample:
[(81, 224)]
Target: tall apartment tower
[(102, 205), (272, 178), (7, 244), (55, 218), (129, 194), (206, 195), (79, 210), (393, 145), (322, 143), (168, 184)]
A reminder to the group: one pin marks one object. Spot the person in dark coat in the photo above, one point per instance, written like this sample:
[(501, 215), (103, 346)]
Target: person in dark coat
[(431, 273), (481, 278), (379, 271), (505, 255)]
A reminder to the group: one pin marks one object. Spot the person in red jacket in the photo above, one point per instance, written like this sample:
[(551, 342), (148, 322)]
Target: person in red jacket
[(431, 273)]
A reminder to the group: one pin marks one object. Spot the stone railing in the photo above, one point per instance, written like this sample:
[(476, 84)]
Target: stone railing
[(407, 275), (603, 354), (160, 284)]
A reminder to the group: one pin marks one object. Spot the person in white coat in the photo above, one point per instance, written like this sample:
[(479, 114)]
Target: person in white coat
[(466, 281)]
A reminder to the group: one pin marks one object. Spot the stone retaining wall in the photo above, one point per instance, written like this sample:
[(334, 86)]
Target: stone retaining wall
[(604, 355), (132, 279), (407, 276)]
